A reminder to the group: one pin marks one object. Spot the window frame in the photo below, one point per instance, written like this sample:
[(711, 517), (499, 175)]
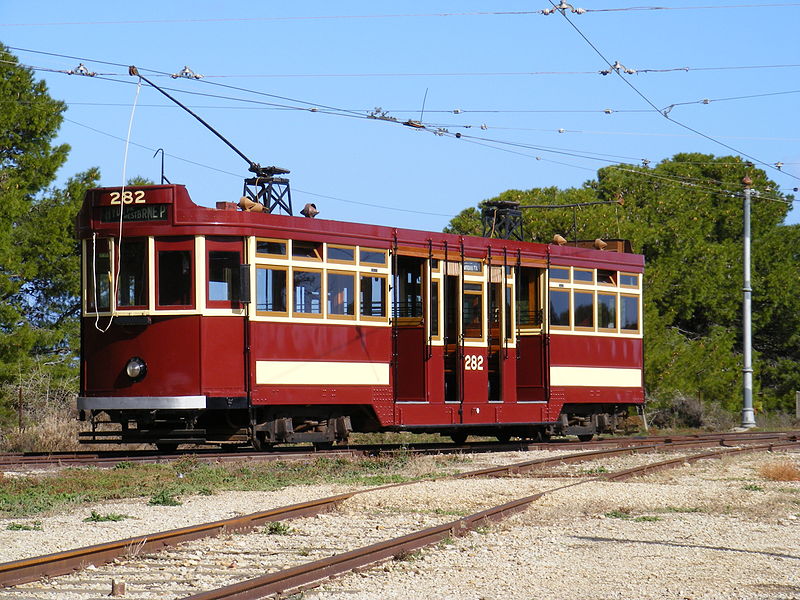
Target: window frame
[(615, 296), (356, 294), (322, 294), (315, 247), (635, 286), (93, 250), (341, 261), (231, 245), (638, 299), (270, 254), (592, 311), (614, 277), (384, 300), (176, 244), (551, 277), (288, 299), (577, 281), (481, 294), (550, 324), (382, 251)]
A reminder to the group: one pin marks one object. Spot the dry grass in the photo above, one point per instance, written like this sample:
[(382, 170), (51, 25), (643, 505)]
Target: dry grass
[(55, 431), (783, 470)]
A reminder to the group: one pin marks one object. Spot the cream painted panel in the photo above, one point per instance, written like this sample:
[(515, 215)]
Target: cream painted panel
[(595, 377), (279, 372)]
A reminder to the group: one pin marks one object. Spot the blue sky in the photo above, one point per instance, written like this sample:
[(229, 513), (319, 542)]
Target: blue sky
[(532, 81)]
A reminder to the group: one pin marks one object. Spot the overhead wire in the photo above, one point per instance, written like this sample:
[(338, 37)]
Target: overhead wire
[(475, 13), (665, 113), (358, 114)]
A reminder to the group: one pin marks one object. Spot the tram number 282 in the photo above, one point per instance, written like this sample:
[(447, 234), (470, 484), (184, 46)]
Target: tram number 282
[(473, 362)]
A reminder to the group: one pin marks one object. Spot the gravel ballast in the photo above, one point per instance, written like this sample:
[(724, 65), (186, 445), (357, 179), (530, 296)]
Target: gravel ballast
[(710, 530)]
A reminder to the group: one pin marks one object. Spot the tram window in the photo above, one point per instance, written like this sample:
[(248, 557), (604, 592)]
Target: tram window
[(271, 247), (606, 277), (559, 308), (508, 320), (271, 290), (373, 296), (98, 267), (307, 292), (341, 294), (607, 311), (584, 309), (629, 313), (629, 280), (367, 256), (133, 274), (175, 278), (583, 276), (434, 318), (341, 254), (306, 250), (559, 273), (472, 310), (223, 276), (529, 313), (435, 265), (408, 291)]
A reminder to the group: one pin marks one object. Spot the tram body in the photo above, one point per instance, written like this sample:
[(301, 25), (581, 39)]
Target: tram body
[(220, 326)]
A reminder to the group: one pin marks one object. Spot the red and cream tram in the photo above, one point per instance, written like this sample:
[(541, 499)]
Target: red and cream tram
[(223, 326)]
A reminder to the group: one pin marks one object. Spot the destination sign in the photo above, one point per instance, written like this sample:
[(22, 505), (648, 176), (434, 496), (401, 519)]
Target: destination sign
[(148, 212)]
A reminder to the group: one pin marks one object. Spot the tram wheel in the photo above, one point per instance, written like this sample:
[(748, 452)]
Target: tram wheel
[(459, 437), (586, 437), (503, 437), (166, 447), (261, 445)]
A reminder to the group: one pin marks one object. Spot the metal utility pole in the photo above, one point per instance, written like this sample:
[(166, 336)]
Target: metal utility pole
[(748, 418)]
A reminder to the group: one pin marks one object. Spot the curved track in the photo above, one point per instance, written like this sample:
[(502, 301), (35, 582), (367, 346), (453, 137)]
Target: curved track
[(64, 562)]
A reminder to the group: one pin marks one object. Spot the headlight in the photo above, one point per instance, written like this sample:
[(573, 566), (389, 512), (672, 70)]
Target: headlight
[(136, 368)]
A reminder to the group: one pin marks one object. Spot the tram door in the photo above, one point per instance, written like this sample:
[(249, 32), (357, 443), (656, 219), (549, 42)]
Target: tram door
[(409, 330), (531, 341), (452, 346), (495, 342)]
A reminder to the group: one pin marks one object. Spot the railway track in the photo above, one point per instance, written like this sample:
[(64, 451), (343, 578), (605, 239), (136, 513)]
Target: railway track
[(296, 576), (109, 459)]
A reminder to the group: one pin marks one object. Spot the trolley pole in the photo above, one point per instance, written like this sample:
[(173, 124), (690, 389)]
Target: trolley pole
[(748, 418)]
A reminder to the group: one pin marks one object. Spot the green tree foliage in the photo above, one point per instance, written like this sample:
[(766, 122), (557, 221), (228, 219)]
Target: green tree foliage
[(39, 256), (685, 216)]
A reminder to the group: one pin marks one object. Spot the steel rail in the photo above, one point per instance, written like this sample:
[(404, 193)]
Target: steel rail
[(10, 461), (313, 573), (60, 563)]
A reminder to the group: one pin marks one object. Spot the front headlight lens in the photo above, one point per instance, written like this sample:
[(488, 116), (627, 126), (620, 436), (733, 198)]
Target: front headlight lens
[(136, 368)]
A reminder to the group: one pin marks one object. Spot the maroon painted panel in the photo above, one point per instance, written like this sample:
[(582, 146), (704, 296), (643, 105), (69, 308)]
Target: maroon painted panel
[(447, 414), (169, 345), (427, 414), (531, 372), (320, 394), (475, 372), (508, 374), (435, 373), (325, 342), (410, 383), (223, 357), (595, 351), (573, 395)]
